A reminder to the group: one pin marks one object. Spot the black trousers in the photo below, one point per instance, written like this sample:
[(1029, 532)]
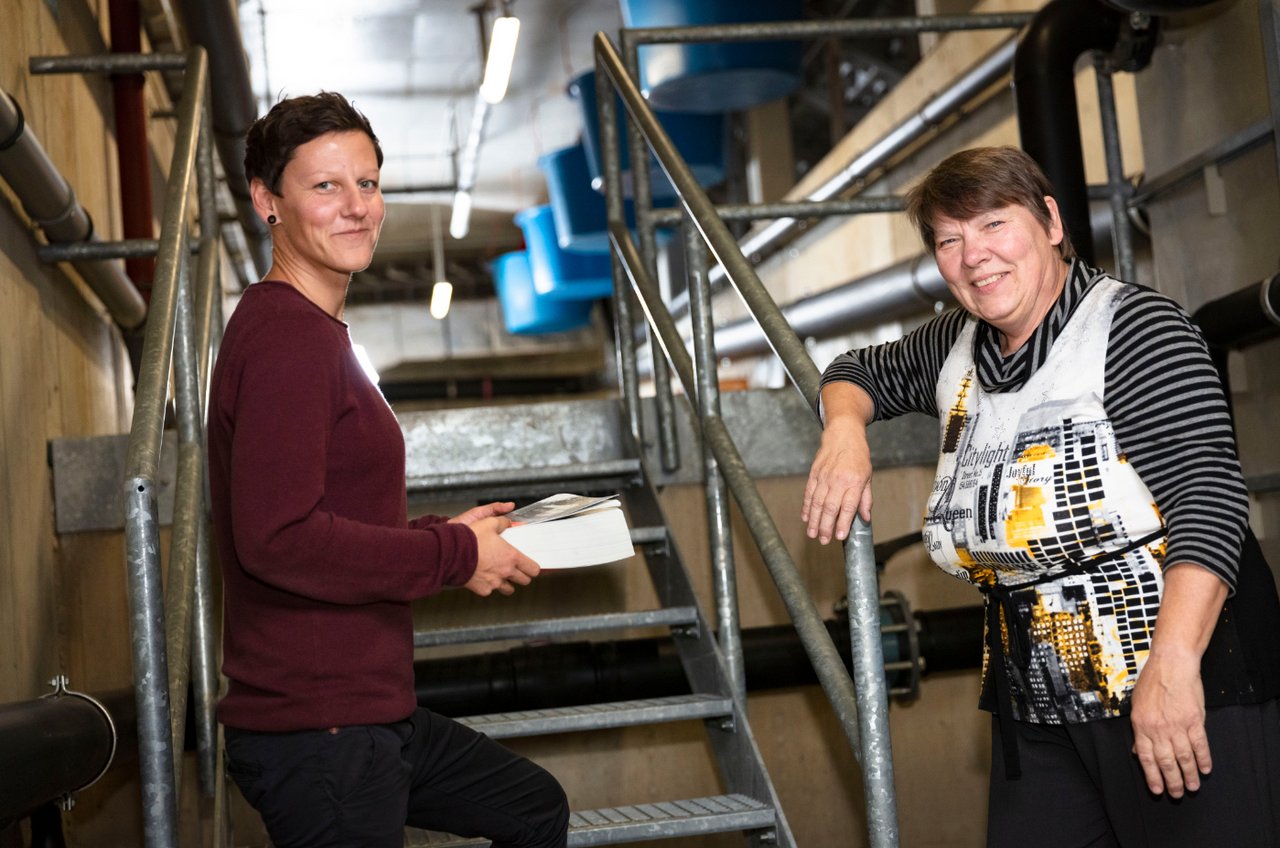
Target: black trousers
[(1081, 787), (360, 785)]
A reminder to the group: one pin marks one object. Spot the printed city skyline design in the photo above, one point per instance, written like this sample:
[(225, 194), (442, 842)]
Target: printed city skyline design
[(1057, 496)]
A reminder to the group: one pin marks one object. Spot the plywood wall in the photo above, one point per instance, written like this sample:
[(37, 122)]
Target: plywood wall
[(64, 372)]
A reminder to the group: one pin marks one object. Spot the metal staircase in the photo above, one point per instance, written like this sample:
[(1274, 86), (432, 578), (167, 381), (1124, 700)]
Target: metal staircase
[(749, 803)]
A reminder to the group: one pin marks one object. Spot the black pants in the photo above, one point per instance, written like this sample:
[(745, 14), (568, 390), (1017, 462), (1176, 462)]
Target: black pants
[(360, 785), (1081, 787)]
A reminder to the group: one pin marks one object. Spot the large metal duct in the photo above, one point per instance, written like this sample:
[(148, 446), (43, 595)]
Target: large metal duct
[(1044, 87), (48, 200), (212, 25)]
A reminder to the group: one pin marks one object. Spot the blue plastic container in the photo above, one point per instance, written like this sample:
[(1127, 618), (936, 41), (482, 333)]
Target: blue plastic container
[(524, 311), (700, 139), (715, 77), (581, 219), (557, 273)]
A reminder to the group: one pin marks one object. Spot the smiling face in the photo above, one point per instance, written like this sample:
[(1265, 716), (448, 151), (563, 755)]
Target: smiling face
[(328, 213), (1003, 266)]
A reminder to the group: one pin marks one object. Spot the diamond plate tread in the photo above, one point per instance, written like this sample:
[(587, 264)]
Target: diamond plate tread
[(641, 822), (552, 627), (600, 716)]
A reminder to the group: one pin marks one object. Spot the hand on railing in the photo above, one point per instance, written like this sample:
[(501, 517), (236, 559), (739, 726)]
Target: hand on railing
[(839, 485)]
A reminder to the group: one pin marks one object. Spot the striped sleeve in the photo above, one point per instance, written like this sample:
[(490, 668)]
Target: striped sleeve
[(901, 376), (1171, 419)]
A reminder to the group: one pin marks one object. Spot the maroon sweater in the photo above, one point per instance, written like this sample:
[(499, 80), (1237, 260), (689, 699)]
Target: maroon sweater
[(319, 563)]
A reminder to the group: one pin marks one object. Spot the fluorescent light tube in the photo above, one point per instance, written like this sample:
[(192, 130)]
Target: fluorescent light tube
[(502, 54), (460, 221), (441, 296)]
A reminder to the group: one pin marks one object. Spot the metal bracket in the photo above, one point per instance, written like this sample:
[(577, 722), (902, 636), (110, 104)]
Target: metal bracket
[(60, 690)]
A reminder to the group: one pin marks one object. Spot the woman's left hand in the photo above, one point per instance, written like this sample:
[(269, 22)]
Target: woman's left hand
[(479, 513), (1167, 706), (1168, 724)]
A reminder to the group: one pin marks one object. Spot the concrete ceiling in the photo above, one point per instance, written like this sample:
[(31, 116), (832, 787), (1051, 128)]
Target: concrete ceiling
[(413, 67)]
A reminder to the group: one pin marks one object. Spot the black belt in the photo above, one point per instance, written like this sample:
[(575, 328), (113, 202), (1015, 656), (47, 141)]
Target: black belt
[(1000, 600)]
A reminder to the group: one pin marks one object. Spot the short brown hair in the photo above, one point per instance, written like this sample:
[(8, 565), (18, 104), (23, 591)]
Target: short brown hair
[(291, 123), (974, 181)]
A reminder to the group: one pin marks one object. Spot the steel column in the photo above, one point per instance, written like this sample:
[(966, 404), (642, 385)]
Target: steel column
[(723, 575), (1119, 189), (1269, 12)]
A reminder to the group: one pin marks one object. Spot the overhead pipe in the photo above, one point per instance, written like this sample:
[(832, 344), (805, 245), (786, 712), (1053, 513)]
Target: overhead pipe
[(133, 153), (906, 289), (766, 242), (49, 201), (213, 26), (53, 747)]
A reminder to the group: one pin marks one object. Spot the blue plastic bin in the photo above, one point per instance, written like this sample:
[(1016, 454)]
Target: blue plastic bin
[(700, 139), (557, 273), (581, 219), (715, 77), (524, 311)]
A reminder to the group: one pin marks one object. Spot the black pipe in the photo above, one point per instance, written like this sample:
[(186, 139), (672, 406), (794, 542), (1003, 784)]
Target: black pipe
[(1044, 87), (1238, 320), (1243, 318), (52, 747), (214, 27), (566, 674)]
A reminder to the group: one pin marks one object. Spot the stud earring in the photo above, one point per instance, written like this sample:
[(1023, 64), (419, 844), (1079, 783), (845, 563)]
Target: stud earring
[(271, 219)]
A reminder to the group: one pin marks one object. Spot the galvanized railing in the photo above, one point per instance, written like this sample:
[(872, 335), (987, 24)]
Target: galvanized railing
[(859, 703), (168, 629), (178, 339)]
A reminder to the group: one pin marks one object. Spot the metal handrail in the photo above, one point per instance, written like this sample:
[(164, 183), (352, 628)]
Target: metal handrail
[(861, 710), (159, 688)]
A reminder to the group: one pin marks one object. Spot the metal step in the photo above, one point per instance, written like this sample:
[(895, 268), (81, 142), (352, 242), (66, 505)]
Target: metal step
[(553, 627), (600, 716), (642, 822)]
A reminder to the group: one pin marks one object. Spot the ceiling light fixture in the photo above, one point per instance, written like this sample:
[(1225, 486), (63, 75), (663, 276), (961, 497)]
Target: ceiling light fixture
[(441, 290), (502, 54)]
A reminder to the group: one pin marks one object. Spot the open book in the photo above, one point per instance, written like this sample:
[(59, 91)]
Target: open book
[(568, 531)]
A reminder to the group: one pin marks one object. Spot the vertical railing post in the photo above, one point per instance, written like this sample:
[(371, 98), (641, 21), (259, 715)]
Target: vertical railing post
[(869, 686), (142, 526), (204, 640), (623, 320), (724, 578), (642, 196), (1269, 14), (1118, 187)]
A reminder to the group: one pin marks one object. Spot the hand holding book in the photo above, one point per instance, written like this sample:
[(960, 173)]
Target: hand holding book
[(570, 531)]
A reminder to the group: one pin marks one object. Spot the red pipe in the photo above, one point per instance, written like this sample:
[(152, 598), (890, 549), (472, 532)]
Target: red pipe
[(132, 152)]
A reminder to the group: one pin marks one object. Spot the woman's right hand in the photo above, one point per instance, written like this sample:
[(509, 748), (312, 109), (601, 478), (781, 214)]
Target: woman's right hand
[(839, 486), (499, 566)]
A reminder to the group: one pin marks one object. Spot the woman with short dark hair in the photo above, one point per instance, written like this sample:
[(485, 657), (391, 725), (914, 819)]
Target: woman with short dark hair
[(319, 560), (1088, 486)]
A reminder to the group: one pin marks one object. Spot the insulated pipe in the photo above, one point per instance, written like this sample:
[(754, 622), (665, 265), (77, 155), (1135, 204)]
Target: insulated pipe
[(761, 245), (571, 673), (1242, 318), (1044, 88), (49, 201), (907, 288), (213, 26), (133, 154), (52, 747)]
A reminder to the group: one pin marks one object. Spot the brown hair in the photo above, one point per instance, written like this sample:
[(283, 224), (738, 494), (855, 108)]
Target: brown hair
[(979, 180), (291, 123)]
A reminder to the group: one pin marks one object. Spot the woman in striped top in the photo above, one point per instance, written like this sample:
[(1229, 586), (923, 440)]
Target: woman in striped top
[(1088, 485)]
